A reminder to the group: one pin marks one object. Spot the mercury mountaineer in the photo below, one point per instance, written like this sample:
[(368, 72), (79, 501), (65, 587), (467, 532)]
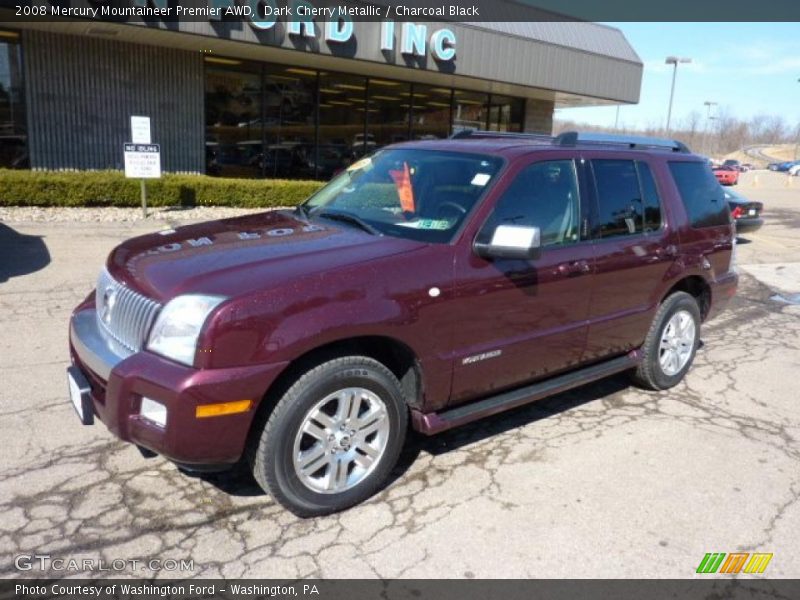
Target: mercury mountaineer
[(426, 286)]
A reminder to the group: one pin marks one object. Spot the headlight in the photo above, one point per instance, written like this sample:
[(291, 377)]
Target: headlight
[(178, 326)]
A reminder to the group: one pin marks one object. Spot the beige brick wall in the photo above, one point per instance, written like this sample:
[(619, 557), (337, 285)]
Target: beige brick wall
[(539, 116)]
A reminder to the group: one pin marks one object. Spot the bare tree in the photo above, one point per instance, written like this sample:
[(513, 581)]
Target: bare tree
[(722, 134)]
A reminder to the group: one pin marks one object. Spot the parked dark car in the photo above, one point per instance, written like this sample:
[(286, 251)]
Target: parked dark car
[(783, 166), (428, 285), (746, 214)]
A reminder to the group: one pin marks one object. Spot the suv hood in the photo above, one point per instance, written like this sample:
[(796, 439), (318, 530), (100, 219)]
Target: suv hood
[(235, 256)]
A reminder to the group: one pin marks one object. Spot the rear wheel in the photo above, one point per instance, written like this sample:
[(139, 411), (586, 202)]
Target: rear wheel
[(671, 343), (333, 438)]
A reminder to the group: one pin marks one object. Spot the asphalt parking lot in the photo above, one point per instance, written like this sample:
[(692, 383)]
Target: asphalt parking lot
[(604, 481)]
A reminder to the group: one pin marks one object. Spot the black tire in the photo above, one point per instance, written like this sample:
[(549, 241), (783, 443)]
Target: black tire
[(271, 458), (649, 374)]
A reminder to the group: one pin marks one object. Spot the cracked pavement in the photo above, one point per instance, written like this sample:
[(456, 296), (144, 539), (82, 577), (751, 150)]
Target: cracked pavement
[(604, 481)]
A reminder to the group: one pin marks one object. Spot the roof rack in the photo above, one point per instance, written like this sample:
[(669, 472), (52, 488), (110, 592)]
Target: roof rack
[(480, 133), (574, 138)]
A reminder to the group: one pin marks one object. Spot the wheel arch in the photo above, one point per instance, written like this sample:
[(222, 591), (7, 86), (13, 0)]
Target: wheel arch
[(398, 357), (698, 288)]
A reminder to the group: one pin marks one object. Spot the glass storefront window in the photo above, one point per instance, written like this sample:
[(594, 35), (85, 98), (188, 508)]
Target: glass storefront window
[(13, 130), (265, 120), (234, 141), (506, 113), (387, 111), (431, 112), (342, 125), (470, 110), (290, 98)]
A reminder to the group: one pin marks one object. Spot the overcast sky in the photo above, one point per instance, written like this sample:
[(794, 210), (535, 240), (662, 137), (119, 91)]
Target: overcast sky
[(748, 68)]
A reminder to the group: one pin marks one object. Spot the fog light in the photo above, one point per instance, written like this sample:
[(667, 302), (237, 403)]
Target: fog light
[(153, 411)]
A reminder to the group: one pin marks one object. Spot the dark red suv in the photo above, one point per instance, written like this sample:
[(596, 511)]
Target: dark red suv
[(430, 284)]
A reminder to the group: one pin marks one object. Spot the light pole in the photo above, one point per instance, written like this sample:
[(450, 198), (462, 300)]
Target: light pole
[(673, 60), (708, 104)]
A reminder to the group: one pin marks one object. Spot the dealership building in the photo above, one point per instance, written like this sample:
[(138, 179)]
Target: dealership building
[(246, 98)]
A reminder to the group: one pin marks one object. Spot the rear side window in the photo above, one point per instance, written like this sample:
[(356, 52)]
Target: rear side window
[(619, 198), (701, 194), (650, 200)]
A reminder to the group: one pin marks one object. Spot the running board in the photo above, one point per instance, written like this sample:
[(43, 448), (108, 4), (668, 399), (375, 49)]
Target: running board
[(432, 423)]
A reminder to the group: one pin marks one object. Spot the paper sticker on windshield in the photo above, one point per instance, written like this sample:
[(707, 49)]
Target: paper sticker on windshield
[(481, 179), (439, 224), (360, 164), (405, 191)]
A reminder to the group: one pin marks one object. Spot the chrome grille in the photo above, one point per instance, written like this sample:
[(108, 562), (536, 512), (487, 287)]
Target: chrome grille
[(126, 316)]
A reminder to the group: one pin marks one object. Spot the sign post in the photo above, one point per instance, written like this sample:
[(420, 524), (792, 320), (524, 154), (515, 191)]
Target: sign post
[(142, 158), (143, 186)]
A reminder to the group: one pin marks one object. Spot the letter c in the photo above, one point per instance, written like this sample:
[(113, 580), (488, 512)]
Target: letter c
[(443, 44)]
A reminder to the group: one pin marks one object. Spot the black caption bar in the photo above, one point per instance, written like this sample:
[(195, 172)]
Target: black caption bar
[(403, 10), (412, 589)]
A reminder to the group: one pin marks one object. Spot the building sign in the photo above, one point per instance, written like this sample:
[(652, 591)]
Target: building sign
[(412, 39), (142, 161), (334, 23)]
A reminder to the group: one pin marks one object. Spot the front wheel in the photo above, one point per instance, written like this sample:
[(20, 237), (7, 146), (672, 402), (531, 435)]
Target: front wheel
[(671, 343), (333, 438)]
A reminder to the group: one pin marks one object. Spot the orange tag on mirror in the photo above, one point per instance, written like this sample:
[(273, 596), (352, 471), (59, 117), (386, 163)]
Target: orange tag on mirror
[(402, 181)]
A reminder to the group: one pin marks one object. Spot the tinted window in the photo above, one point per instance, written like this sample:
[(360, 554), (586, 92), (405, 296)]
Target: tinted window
[(701, 194), (650, 200), (544, 195), (13, 131), (407, 192), (619, 197)]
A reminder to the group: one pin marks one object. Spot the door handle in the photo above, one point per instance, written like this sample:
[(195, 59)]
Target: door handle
[(667, 251), (662, 252), (575, 267)]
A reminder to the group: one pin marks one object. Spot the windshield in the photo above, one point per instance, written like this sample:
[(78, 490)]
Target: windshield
[(409, 193)]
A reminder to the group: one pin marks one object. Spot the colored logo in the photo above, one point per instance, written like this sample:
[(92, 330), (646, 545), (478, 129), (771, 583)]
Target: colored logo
[(736, 562)]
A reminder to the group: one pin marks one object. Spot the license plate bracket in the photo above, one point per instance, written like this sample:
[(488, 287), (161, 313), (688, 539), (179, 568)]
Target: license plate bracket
[(80, 395)]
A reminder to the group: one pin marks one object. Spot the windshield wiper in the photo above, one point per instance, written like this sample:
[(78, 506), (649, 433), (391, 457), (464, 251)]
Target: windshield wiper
[(347, 218), (302, 209)]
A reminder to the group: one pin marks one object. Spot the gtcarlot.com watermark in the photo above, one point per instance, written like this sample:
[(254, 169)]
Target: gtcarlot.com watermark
[(46, 562)]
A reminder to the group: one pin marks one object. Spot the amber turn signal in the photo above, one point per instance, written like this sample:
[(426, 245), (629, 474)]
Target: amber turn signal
[(223, 408)]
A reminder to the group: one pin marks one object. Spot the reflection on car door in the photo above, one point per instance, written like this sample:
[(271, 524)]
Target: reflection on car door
[(527, 318), (633, 251)]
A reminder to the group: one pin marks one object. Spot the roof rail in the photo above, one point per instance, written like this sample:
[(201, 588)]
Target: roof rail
[(480, 133), (573, 138)]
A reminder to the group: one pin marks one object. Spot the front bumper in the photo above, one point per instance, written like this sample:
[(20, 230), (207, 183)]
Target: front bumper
[(119, 380)]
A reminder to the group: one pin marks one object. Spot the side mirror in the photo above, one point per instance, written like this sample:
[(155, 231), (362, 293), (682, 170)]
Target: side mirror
[(511, 241)]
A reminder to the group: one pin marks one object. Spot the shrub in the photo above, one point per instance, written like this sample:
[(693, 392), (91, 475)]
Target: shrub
[(111, 188)]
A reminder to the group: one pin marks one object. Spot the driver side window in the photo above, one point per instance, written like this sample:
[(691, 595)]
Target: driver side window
[(543, 195)]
